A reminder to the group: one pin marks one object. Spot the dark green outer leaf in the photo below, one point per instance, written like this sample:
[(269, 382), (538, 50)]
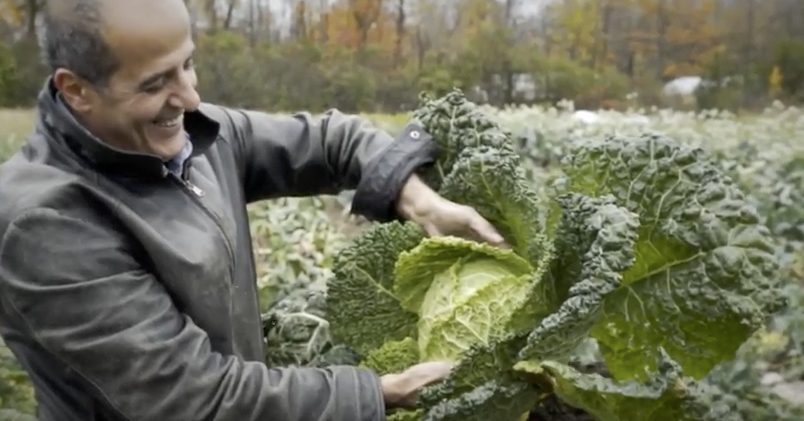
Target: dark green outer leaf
[(363, 311), (490, 181), (505, 401), (456, 124), (666, 396), (705, 275), (607, 235)]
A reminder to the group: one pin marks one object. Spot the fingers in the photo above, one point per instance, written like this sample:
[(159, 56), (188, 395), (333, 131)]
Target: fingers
[(426, 374), (402, 390), (454, 219), (484, 230), (431, 229)]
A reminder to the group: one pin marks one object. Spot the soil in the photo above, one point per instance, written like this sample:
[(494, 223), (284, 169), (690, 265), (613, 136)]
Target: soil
[(554, 409)]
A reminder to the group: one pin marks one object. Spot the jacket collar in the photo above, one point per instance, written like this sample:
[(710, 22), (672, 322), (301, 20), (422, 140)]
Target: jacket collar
[(56, 120)]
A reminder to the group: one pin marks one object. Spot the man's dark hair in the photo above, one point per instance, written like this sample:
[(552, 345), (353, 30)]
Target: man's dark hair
[(72, 38)]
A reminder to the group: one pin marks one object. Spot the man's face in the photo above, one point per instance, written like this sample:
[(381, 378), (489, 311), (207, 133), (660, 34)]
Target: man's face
[(141, 108)]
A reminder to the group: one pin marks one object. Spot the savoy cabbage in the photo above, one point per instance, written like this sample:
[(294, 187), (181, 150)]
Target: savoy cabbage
[(642, 244), (297, 333)]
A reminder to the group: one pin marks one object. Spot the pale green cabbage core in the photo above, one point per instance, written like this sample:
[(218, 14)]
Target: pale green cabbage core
[(462, 300)]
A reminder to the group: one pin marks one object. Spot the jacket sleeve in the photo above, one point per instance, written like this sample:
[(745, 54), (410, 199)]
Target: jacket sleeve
[(303, 155), (77, 288)]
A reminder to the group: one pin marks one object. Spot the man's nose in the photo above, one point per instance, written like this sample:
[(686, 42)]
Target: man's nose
[(185, 96)]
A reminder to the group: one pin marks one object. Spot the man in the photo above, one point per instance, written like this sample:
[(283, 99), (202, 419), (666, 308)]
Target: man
[(126, 272)]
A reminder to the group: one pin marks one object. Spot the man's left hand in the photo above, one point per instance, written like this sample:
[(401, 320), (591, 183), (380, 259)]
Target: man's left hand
[(441, 217)]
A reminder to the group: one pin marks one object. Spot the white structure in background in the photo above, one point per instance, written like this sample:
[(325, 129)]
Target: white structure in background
[(586, 117), (681, 90), (592, 117), (685, 85)]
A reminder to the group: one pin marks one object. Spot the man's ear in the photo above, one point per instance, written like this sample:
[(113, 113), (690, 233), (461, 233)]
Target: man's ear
[(73, 89)]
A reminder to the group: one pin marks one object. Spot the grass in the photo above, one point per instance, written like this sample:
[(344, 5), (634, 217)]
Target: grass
[(15, 124)]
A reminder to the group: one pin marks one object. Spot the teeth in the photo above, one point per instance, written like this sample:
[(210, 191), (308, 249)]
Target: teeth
[(169, 123)]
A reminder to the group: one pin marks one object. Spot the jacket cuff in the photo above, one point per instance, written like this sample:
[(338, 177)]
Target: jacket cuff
[(368, 405), (382, 181)]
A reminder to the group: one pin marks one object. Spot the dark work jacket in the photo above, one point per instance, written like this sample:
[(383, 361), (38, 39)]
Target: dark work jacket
[(129, 293)]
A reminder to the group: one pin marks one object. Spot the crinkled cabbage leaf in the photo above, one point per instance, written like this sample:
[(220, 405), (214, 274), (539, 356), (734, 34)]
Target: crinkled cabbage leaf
[(642, 244)]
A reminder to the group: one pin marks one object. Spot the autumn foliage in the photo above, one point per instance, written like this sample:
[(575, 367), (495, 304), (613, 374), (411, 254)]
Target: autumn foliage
[(376, 55)]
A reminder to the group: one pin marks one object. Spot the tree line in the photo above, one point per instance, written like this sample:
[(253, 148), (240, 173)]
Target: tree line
[(378, 55)]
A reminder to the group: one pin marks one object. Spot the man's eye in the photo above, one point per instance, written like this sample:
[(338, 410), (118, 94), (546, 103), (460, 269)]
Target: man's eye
[(154, 87)]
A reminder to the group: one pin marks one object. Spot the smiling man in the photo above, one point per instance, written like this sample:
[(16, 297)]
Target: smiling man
[(127, 285)]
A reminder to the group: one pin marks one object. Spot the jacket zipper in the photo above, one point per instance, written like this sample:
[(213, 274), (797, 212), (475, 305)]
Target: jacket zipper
[(198, 193), (184, 179), (193, 188)]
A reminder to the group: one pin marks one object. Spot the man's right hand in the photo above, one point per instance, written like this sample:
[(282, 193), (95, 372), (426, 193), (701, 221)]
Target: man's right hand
[(401, 390)]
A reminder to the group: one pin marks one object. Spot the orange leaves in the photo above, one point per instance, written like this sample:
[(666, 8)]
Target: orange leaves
[(352, 24), (13, 12), (663, 38)]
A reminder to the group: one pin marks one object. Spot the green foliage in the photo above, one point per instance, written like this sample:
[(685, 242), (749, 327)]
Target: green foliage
[(564, 79), (668, 395), (298, 333), (302, 76), (296, 240), (437, 81), (7, 148), (765, 382), (722, 91), (21, 73), (789, 57), (16, 393), (642, 243), (8, 75)]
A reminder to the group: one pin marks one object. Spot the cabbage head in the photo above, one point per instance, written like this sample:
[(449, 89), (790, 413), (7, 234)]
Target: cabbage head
[(640, 245)]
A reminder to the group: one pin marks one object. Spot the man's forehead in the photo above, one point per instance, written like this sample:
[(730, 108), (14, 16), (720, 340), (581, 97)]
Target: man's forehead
[(143, 29), (126, 19), (115, 10), (69, 8), (147, 36)]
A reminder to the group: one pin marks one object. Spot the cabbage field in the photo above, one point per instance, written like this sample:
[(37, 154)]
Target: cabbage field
[(655, 270)]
